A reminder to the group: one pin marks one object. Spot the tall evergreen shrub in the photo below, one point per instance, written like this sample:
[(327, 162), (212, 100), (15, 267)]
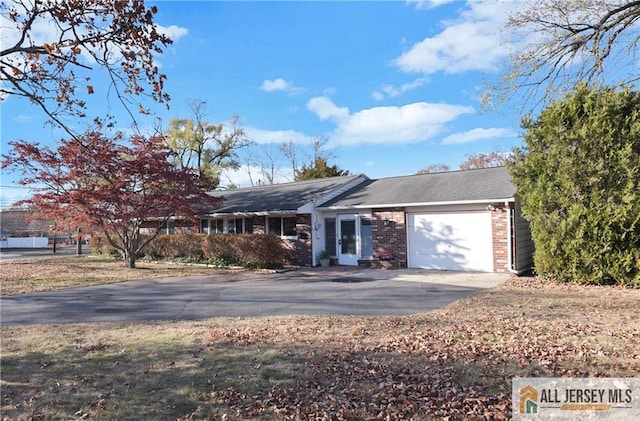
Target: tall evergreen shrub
[(578, 179)]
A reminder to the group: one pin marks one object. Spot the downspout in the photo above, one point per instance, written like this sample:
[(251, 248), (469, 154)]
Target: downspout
[(315, 236), (510, 236)]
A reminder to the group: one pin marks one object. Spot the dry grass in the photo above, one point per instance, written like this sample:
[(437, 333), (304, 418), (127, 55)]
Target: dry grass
[(46, 274), (456, 362)]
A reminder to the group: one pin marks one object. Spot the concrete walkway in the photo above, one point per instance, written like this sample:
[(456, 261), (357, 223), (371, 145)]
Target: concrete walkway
[(310, 291)]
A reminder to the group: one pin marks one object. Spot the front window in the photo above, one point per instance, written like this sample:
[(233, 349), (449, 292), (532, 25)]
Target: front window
[(366, 238), (168, 227), (330, 236), (212, 226), (282, 226), (240, 226), (234, 226)]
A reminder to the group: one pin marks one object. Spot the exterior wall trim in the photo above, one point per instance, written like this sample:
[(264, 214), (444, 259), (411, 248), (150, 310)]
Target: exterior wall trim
[(417, 204)]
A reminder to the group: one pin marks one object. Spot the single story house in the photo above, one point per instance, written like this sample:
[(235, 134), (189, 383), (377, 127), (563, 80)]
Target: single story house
[(459, 220)]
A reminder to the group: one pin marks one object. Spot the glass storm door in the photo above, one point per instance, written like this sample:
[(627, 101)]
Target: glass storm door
[(347, 240)]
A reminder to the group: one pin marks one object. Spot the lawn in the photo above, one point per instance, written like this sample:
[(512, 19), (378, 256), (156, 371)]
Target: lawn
[(45, 274), (456, 362)]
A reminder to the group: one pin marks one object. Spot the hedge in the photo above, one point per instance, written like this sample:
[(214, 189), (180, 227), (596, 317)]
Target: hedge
[(249, 250)]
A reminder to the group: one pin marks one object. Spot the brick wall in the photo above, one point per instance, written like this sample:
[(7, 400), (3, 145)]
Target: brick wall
[(390, 234), (499, 228), (300, 248)]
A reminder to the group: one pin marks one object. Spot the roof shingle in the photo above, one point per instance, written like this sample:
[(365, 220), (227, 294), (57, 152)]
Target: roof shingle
[(284, 197), (447, 187)]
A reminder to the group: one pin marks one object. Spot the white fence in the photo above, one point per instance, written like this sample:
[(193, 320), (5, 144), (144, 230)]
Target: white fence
[(25, 242)]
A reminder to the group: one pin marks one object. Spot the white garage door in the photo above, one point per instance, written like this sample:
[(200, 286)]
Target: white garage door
[(451, 241)]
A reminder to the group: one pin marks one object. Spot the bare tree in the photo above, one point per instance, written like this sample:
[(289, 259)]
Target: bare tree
[(290, 152), (568, 42), (267, 164)]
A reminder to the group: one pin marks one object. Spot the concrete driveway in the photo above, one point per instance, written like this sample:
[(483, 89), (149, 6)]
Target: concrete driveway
[(317, 291)]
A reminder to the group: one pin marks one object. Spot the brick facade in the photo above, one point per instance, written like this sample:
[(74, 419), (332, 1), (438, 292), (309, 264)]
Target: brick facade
[(299, 250), (389, 229), (499, 226)]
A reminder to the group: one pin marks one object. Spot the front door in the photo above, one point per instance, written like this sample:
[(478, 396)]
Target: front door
[(348, 240)]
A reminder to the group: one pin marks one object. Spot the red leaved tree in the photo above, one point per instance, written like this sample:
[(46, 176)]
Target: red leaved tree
[(113, 187)]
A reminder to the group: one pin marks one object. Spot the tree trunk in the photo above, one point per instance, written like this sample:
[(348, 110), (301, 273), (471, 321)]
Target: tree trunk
[(79, 239), (129, 259)]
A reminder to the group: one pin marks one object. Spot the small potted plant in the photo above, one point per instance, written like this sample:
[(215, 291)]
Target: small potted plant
[(324, 258)]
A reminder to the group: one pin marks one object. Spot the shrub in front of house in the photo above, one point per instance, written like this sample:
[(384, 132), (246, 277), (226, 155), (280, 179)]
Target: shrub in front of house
[(100, 246), (183, 247), (259, 250), (218, 248), (249, 250)]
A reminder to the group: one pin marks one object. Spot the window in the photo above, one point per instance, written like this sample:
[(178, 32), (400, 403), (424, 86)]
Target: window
[(168, 227), (330, 236), (240, 225), (366, 238), (211, 226), (248, 226), (282, 226), (289, 227), (234, 226)]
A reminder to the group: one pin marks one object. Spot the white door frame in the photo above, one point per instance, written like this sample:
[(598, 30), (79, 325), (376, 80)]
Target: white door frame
[(347, 258)]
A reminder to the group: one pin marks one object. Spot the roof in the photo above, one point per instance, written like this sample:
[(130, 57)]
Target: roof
[(13, 222), (285, 197), (480, 185)]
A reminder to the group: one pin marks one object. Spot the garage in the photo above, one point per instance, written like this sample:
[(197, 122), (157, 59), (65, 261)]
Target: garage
[(450, 241)]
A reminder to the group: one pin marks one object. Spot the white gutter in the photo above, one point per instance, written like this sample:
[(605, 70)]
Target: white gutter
[(418, 204), (261, 213)]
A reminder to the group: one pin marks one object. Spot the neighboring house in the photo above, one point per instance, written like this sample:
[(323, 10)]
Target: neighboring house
[(14, 222), (459, 220)]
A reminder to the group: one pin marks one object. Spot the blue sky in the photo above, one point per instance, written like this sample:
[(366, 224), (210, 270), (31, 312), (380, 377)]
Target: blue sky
[(391, 87)]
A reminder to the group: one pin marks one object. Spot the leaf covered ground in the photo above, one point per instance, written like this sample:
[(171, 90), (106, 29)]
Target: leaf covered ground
[(454, 363)]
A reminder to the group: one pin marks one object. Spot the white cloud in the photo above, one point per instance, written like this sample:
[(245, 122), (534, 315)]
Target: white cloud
[(280, 84), (245, 175), (428, 4), (392, 91), (326, 109), (277, 136), (377, 95), (476, 135), (172, 31), (406, 124), (473, 42)]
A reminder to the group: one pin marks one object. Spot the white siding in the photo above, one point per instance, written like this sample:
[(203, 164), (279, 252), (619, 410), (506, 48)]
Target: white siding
[(523, 243)]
